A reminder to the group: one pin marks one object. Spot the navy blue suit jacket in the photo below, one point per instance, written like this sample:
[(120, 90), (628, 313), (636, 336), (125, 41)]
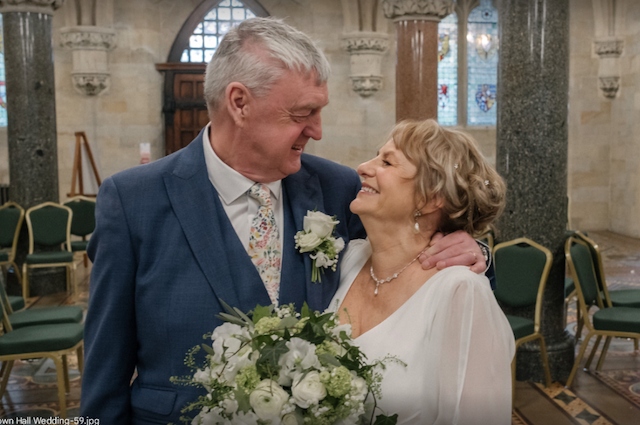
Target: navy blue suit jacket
[(164, 253)]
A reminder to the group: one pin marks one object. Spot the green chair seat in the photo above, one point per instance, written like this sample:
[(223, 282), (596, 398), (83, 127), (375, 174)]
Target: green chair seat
[(46, 316), (49, 257), (43, 338), (16, 302), (620, 319), (625, 298), (79, 245), (521, 326)]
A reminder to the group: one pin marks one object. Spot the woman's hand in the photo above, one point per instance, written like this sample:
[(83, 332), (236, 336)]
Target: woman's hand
[(455, 249)]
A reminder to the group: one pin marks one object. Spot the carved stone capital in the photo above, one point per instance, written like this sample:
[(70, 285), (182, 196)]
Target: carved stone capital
[(608, 48), (366, 42), (91, 84), (88, 38), (365, 86), (609, 86), (417, 9), (37, 6)]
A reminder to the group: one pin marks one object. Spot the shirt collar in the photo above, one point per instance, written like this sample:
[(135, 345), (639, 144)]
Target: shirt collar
[(229, 183)]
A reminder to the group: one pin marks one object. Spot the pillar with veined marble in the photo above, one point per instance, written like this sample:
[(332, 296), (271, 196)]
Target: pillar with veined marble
[(31, 113), (417, 62)]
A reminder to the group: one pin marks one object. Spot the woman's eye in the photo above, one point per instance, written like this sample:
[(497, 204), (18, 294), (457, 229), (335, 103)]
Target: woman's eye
[(385, 162)]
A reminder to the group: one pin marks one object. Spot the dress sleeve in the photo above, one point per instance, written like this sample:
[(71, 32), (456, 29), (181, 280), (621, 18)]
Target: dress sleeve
[(473, 377)]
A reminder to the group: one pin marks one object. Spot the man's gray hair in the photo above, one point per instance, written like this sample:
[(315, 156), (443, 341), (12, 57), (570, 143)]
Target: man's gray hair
[(256, 53)]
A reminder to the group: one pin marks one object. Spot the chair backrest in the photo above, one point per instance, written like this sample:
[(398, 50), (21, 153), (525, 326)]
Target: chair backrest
[(49, 225), (84, 217), (521, 267), (598, 265), (11, 216), (583, 270)]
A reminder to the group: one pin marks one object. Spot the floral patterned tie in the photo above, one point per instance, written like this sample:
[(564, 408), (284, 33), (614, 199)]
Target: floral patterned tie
[(264, 241)]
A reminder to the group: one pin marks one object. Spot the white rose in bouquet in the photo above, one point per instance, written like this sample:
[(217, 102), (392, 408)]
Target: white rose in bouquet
[(307, 389), (319, 223), (267, 400)]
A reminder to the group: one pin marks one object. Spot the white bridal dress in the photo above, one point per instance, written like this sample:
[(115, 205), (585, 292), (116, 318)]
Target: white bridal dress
[(455, 340)]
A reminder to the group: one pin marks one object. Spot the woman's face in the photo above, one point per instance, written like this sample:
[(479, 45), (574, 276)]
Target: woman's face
[(388, 186)]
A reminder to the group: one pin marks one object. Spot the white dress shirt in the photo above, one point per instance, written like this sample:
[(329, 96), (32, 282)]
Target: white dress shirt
[(232, 190)]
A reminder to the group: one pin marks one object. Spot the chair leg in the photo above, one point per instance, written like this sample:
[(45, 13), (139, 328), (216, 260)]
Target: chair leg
[(62, 397), (85, 260), (607, 341), (5, 372), (65, 369), (513, 380), (579, 322), (25, 282), (577, 361), (16, 270), (545, 362), (80, 352), (593, 352)]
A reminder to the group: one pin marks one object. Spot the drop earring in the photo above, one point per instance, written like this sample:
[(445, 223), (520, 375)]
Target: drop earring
[(416, 225)]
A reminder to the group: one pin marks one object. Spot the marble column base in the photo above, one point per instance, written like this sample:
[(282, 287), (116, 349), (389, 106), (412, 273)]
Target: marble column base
[(47, 281), (561, 355)]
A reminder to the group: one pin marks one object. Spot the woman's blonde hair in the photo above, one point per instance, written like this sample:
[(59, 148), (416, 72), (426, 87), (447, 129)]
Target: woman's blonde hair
[(451, 166)]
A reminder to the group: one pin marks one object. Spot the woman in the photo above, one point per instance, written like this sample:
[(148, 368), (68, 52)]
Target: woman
[(445, 325)]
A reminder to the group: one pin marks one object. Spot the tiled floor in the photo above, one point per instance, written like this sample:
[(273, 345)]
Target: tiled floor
[(611, 397)]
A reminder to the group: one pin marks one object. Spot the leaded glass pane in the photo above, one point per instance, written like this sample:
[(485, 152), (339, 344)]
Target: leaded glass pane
[(195, 41), (210, 42), (204, 41), (3, 87), (482, 60), (224, 13), (448, 70)]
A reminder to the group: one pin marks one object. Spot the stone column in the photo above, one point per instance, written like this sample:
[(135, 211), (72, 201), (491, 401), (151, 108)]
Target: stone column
[(417, 62), (31, 109), (533, 77)]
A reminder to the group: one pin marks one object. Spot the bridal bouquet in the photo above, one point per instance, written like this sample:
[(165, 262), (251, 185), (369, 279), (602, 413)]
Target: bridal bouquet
[(283, 367)]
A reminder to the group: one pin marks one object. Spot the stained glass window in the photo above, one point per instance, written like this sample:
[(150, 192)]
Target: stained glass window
[(448, 70), (480, 77), (204, 40), (3, 87), (482, 62)]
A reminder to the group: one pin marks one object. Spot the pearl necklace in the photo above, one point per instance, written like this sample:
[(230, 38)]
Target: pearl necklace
[(393, 276)]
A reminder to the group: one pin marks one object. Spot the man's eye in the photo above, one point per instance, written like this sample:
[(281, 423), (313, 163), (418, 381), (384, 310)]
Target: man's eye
[(299, 118)]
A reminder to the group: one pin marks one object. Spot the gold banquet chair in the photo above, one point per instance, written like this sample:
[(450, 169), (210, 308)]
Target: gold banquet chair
[(11, 218), (609, 321), (522, 267), (617, 297), (49, 226), (82, 224), (54, 341)]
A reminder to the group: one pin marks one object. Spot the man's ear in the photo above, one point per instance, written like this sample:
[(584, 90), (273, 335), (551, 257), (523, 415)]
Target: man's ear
[(237, 99)]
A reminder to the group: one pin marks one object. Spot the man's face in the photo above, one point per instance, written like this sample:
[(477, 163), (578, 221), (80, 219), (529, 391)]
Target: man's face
[(279, 125)]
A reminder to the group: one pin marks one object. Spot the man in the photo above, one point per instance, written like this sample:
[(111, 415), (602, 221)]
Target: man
[(172, 236)]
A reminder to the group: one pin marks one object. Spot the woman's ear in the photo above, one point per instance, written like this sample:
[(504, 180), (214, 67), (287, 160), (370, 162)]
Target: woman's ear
[(432, 205), (237, 99)]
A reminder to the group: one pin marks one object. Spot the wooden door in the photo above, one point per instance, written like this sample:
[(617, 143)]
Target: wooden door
[(185, 111)]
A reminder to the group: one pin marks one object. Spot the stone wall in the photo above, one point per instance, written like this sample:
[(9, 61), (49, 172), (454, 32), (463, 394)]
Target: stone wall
[(603, 139)]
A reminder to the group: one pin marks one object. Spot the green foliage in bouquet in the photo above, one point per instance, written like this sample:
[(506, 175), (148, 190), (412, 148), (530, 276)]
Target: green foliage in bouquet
[(278, 366)]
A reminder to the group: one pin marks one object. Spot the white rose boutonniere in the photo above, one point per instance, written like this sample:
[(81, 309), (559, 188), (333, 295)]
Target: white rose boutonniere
[(317, 239)]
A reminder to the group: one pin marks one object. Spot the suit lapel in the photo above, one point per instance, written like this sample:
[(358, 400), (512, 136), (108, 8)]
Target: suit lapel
[(302, 193), (212, 240)]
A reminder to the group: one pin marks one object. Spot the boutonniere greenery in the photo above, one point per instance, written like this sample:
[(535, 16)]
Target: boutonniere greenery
[(318, 240)]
